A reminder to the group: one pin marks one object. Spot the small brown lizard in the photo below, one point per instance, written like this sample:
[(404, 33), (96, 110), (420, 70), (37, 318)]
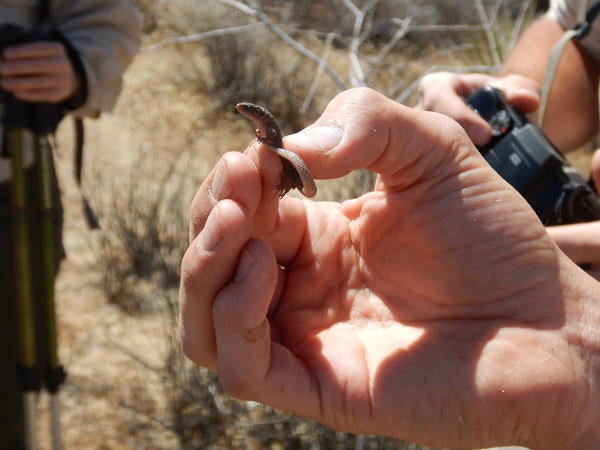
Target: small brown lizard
[(295, 171)]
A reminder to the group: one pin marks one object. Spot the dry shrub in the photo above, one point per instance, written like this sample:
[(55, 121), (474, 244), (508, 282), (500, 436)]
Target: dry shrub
[(257, 70), (143, 233)]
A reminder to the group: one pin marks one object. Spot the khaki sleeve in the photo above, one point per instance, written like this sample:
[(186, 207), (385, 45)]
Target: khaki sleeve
[(106, 35)]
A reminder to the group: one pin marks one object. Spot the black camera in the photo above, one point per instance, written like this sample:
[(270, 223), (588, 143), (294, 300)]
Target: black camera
[(524, 157)]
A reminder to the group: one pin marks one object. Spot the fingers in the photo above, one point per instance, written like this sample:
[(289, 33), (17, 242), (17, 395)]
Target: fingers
[(232, 334), (234, 177), (521, 92), (208, 266), (249, 179), (249, 363), (240, 313), (37, 72), (231, 206), (446, 92)]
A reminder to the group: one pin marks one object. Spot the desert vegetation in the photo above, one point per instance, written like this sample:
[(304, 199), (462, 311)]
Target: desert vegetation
[(129, 385)]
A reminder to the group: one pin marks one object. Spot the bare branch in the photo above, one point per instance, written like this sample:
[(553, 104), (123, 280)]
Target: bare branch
[(263, 18), (202, 36), (399, 34), (494, 10), (317, 78), (489, 32), (441, 27), (351, 6), (359, 33), (519, 24)]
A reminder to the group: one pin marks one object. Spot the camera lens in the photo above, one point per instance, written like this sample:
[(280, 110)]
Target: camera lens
[(501, 123)]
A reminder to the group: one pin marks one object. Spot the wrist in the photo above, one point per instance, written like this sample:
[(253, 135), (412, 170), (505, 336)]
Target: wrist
[(79, 95), (583, 335)]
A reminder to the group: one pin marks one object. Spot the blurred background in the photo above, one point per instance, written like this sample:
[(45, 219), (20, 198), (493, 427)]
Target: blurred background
[(128, 385)]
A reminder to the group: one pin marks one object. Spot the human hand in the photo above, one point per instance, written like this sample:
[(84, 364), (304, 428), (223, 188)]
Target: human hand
[(445, 92), (38, 72), (434, 309)]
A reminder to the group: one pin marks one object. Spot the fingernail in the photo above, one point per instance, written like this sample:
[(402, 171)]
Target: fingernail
[(479, 135), (324, 137), (245, 265), (528, 91), (211, 234), (220, 187)]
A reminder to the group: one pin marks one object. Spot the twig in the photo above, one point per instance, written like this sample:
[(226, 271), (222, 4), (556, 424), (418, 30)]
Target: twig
[(495, 8), (317, 78), (357, 76), (201, 36), (519, 24), (263, 18), (489, 33), (404, 25), (351, 6), (443, 27)]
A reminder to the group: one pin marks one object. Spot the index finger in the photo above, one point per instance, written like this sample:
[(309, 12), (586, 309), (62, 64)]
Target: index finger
[(40, 49)]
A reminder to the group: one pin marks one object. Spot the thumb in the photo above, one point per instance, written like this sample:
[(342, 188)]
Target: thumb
[(522, 92), (362, 129)]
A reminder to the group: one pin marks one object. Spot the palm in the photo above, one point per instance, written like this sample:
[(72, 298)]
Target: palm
[(408, 303)]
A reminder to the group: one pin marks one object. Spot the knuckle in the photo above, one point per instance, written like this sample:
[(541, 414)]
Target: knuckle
[(235, 384), (194, 351), (363, 94)]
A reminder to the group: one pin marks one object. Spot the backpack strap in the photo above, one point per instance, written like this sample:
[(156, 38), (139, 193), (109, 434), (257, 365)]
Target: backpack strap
[(585, 18)]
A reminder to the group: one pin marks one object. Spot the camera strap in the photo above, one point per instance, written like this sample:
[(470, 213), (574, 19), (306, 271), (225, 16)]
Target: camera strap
[(585, 17), (43, 12)]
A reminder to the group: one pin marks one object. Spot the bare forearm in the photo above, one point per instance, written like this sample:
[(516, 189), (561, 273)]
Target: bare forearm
[(572, 112), (581, 241)]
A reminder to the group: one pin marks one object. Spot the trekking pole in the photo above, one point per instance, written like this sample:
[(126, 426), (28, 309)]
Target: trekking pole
[(28, 371), (54, 372)]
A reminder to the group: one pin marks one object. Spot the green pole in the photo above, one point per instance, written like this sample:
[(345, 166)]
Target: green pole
[(43, 158), (55, 374), (25, 308)]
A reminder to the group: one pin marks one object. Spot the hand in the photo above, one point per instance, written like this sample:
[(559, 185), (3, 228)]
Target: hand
[(445, 92), (434, 309), (38, 72)]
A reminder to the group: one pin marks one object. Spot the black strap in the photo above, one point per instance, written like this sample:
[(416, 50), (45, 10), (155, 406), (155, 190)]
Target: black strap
[(43, 12), (584, 28), (88, 212)]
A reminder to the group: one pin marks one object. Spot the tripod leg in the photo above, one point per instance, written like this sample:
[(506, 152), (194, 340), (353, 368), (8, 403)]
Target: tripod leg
[(25, 307), (54, 373)]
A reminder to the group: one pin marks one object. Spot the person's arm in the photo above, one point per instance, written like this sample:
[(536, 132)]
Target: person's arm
[(572, 111), (580, 241), (103, 36)]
